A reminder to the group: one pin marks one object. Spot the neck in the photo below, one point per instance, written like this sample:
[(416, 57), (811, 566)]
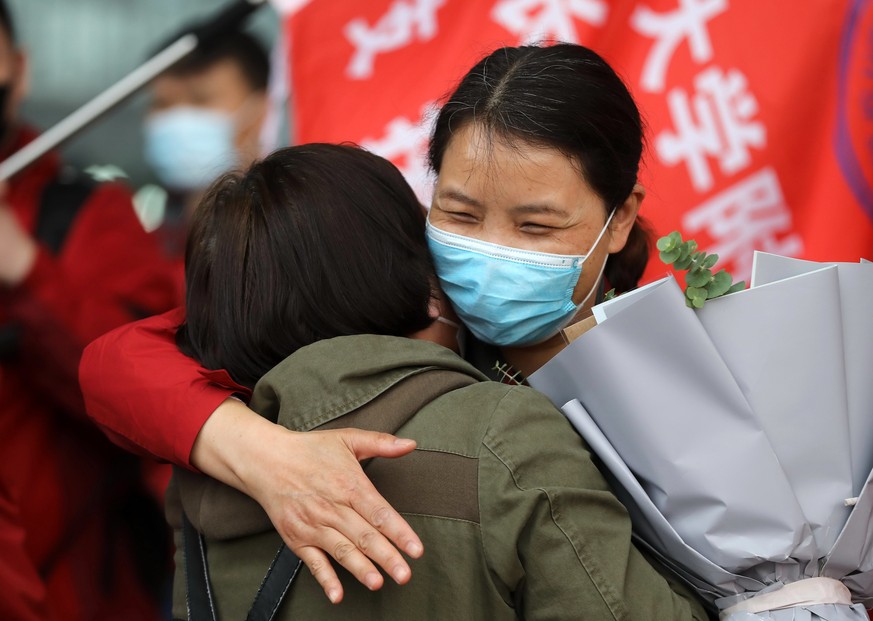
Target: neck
[(531, 357)]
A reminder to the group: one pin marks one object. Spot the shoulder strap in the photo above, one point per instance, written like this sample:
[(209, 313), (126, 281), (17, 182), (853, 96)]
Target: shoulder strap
[(394, 407), (201, 604), (198, 591), (284, 568), (61, 201)]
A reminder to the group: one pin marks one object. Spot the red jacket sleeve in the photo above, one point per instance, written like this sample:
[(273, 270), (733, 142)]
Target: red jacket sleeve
[(109, 271), (25, 594), (145, 394)]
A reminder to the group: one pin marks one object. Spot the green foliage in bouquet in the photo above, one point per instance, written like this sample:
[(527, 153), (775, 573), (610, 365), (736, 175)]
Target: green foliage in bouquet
[(702, 284)]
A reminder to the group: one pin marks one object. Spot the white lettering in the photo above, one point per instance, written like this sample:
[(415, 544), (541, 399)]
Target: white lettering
[(404, 142), (405, 20), (750, 215), (537, 20), (724, 128), (688, 21)]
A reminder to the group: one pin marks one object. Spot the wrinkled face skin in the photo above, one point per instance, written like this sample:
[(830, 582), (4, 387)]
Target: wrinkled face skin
[(220, 87), (526, 196)]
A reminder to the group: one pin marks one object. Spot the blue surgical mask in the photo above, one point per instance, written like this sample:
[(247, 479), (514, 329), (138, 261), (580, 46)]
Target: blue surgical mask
[(508, 296), (189, 147)]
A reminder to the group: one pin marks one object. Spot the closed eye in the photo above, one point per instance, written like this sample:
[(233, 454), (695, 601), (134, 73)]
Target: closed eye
[(461, 216), (537, 228)]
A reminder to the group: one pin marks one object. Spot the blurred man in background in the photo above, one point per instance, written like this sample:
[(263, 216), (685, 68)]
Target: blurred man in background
[(204, 119), (79, 537)]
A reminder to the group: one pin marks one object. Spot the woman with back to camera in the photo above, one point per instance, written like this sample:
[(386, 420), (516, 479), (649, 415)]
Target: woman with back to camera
[(305, 275), (537, 150)]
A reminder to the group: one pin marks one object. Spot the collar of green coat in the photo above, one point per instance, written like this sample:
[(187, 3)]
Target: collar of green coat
[(331, 378)]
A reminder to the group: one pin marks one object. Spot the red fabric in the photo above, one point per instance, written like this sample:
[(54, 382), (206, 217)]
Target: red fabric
[(758, 117), (162, 418), (57, 469), (18, 573)]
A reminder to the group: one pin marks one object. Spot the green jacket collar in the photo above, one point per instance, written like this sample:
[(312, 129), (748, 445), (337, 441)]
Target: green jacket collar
[(331, 378)]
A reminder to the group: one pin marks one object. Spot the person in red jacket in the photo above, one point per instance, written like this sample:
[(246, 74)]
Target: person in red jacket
[(74, 263)]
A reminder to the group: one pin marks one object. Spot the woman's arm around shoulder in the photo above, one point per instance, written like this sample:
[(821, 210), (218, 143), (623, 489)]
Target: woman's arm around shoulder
[(144, 393), (152, 399), (573, 549)]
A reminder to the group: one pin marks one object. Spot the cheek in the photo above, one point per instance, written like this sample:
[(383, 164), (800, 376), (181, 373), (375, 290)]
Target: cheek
[(591, 271)]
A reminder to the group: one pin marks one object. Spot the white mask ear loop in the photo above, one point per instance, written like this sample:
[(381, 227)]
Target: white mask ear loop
[(593, 287), (602, 267), (603, 230), (449, 322), (460, 335)]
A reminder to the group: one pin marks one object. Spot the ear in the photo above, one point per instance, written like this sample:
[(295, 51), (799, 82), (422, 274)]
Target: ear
[(624, 218), (433, 307)]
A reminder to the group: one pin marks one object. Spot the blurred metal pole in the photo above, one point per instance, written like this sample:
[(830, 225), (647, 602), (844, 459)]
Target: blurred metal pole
[(227, 20)]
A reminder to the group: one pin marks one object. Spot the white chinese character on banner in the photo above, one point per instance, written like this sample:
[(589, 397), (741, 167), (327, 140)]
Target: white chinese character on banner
[(535, 20), (724, 128), (396, 29), (750, 215), (688, 21), (404, 142)]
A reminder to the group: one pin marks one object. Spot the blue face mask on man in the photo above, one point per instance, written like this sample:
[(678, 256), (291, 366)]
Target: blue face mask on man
[(189, 147), (508, 296)]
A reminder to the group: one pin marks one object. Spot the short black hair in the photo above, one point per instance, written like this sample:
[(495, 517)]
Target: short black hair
[(6, 23), (239, 47), (313, 242)]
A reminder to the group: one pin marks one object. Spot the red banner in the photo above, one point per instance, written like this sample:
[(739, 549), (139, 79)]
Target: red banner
[(760, 114)]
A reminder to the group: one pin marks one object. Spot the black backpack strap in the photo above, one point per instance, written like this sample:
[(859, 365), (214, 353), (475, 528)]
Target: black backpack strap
[(283, 570), (200, 602), (198, 591), (61, 201)]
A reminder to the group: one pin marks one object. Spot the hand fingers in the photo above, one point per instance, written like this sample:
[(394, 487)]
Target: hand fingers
[(373, 507), (367, 444), (349, 539), (346, 554), (372, 544), (321, 569), (367, 502)]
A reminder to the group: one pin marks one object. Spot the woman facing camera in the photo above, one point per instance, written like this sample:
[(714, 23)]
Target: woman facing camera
[(309, 281)]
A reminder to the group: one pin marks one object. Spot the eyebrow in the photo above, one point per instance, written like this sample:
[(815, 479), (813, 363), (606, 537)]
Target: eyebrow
[(539, 208), (459, 196), (530, 208)]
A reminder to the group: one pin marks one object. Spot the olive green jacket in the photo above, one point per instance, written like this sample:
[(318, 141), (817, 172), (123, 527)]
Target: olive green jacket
[(516, 520)]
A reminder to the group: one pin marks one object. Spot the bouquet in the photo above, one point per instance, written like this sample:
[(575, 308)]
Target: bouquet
[(739, 432)]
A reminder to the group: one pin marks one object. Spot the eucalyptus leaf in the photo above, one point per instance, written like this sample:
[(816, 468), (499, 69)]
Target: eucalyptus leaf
[(737, 286), (720, 284), (668, 256), (665, 243), (698, 277), (696, 294), (701, 283), (682, 264), (685, 251)]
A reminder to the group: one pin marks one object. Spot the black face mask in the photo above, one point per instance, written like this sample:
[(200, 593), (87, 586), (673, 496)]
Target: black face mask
[(5, 92)]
